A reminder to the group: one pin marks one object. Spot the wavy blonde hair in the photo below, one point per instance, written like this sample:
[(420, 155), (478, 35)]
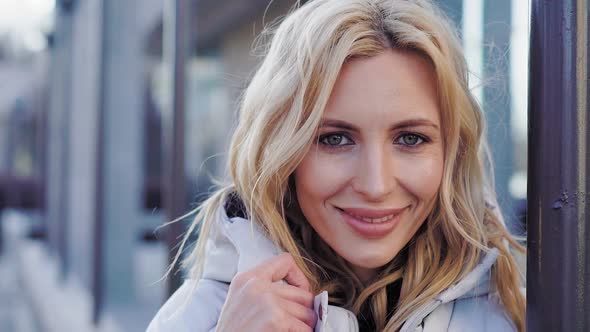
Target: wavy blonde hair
[(278, 121)]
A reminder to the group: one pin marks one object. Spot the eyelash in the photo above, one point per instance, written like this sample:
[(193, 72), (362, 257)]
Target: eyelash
[(321, 140)]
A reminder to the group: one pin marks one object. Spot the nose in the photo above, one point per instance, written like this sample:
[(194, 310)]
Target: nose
[(375, 175)]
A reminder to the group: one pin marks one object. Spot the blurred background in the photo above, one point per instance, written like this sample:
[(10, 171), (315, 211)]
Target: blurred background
[(114, 117)]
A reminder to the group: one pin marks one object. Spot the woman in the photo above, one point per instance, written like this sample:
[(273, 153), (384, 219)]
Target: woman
[(358, 198)]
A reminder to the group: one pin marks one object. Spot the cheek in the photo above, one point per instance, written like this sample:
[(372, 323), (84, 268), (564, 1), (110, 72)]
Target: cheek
[(320, 176), (423, 175)]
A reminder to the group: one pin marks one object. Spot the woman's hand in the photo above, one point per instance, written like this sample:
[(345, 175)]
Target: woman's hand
[(257, 302)]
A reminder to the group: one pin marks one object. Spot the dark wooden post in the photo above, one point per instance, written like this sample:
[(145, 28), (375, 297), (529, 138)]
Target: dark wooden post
[(558, 187)]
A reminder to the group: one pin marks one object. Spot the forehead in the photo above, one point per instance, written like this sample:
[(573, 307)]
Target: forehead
[(392, 86)]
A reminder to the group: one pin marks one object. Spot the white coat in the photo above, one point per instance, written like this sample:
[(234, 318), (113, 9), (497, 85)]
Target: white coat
[(237, 245)]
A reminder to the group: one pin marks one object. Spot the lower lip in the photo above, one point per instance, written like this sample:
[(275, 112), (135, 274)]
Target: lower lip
[(371, 230)]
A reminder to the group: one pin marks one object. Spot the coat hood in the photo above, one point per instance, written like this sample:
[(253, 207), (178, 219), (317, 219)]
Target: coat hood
[(475, 285), (238, 243)]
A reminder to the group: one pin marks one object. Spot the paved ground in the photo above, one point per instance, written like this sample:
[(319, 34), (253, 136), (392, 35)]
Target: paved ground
[(24, 264), (15, 314)]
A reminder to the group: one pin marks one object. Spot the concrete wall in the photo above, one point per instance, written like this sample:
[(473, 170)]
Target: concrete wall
[(98, 73), (81, 179), (239, 63)]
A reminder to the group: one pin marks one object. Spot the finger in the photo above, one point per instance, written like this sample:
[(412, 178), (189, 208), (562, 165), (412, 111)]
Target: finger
[(302, 313), (295, 325), (293, 294), (282, 267)]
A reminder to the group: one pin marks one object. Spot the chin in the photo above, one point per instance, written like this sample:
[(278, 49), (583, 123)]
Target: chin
[(369, 262)]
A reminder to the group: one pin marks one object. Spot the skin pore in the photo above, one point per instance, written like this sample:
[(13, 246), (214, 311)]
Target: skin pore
[(378, 157)]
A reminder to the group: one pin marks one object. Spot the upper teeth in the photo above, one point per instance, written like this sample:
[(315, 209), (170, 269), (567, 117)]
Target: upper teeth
[(372, 220)]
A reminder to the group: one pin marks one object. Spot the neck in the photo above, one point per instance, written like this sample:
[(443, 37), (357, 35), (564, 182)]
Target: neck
[(364, 274)]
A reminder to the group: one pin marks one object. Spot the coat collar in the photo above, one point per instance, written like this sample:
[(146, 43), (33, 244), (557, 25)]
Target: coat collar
[(236, 245)]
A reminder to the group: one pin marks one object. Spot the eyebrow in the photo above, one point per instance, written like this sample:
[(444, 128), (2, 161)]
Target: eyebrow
[(400, 125)]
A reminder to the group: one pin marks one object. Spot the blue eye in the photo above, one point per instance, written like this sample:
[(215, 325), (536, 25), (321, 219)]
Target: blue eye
[(410, 139), (335, 140)]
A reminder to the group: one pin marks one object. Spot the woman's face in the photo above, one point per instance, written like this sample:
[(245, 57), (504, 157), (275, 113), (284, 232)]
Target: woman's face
[(372, 176)]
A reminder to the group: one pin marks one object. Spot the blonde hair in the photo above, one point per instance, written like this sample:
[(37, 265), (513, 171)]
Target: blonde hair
[(279, 116)]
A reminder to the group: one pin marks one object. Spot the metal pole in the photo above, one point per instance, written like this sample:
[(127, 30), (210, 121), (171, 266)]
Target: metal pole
[(99, 180), (176, 51), (65, 163), (59, 118), (558, 186)]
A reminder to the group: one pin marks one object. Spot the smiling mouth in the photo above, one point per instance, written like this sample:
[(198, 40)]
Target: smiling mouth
[(371, 216)]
